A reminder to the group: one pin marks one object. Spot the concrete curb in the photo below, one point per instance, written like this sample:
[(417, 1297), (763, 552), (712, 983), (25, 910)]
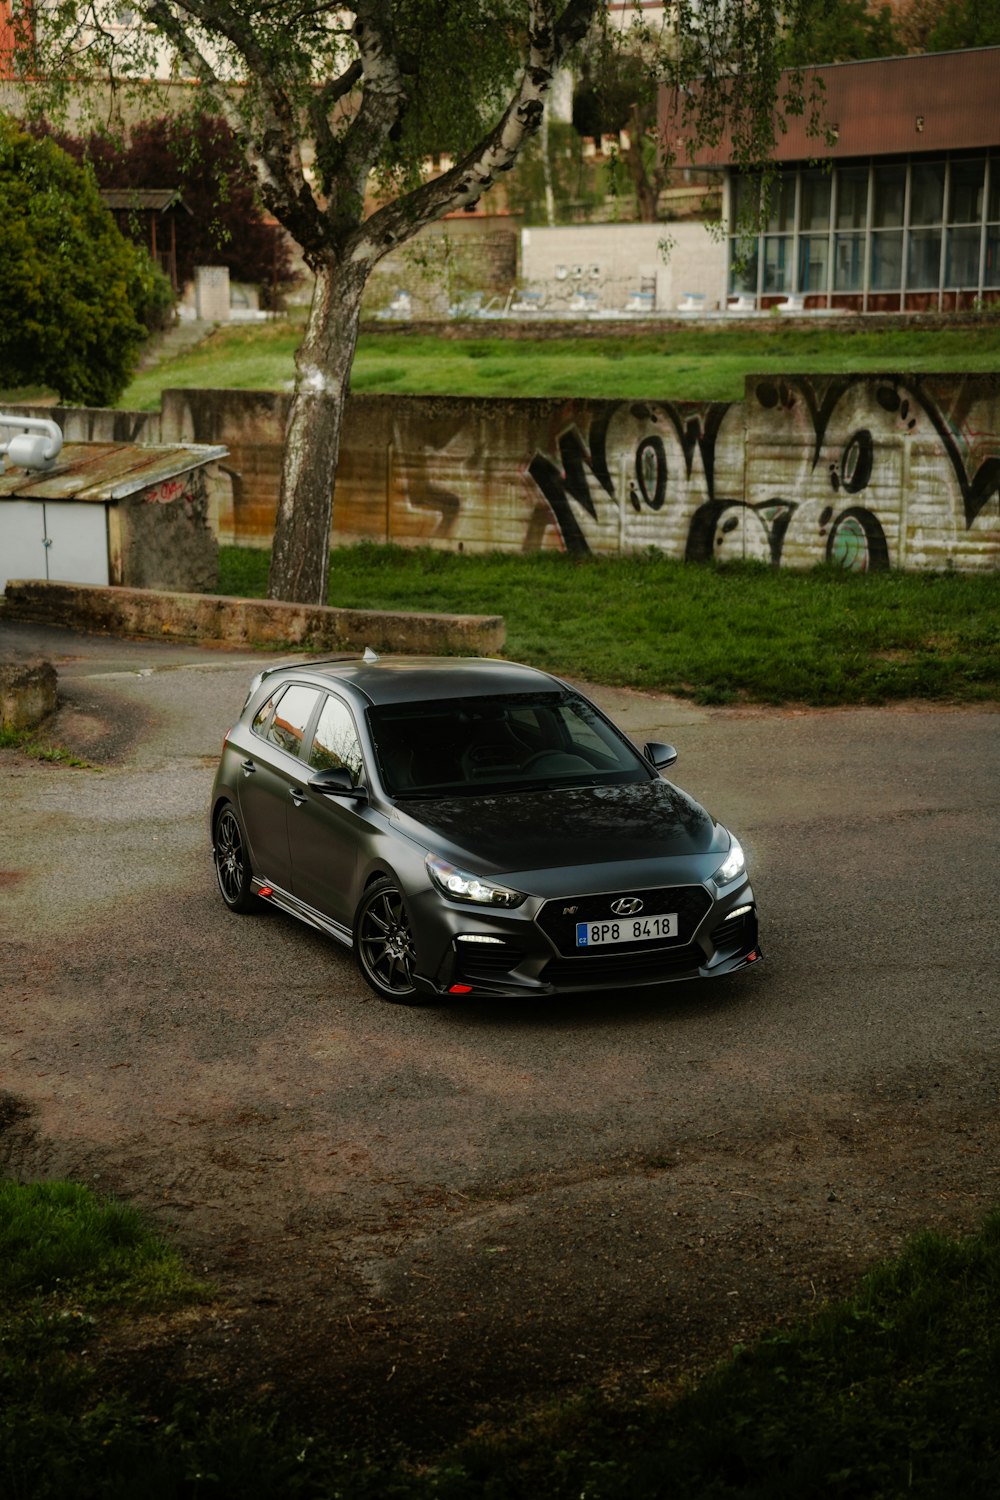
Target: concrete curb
[(249, 622)]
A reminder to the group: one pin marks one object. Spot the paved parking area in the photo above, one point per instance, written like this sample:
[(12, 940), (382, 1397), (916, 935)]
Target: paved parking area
[(421, 1212)]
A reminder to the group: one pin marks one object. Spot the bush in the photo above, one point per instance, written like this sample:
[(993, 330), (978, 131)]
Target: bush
[(68, 320)]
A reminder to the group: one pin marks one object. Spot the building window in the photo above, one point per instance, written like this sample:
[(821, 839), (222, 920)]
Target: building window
[(849, 263), (743, 265), (991, 270), (777, 263), (965, 190), (923, 261), (962, 262), (887, 260), (927, 193), (869, 233), (781, 204), (814, 262), (889, 195), (815, 211), (852, 197)]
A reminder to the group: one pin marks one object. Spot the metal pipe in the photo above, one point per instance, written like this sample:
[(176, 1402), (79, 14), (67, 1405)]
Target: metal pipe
[(37, 445)]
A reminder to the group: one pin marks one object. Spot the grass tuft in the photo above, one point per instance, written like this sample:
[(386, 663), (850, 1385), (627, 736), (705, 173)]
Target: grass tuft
[(23, 740), (60, 1238)]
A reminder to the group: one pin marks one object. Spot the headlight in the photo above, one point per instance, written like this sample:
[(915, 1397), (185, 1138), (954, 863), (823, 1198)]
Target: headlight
[(460, 886), (734, 864)]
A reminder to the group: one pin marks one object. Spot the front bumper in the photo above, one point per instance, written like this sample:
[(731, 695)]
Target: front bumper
[(525, 952)]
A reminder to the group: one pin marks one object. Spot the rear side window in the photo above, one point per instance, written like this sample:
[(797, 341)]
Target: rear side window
[(291, 716), (260, 718)]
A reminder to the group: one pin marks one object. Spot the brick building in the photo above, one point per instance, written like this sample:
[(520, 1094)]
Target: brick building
[(902, 211)]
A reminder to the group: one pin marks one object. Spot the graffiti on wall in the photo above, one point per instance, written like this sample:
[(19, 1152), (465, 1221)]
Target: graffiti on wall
[(862, 473)]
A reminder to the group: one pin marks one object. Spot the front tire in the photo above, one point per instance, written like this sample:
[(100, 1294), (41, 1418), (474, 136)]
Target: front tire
[(383, 942), (232, 860)]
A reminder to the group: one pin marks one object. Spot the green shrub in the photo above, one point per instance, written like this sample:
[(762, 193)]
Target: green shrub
[(68, 320)]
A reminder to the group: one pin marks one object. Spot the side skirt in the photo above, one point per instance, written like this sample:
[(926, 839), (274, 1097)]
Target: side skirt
[(275, 896)]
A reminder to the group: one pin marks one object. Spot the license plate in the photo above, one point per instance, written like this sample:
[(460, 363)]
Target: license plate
[(626, 930)]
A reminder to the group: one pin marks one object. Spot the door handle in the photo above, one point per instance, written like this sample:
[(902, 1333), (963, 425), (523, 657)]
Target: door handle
[(247, 766), (297, 795)]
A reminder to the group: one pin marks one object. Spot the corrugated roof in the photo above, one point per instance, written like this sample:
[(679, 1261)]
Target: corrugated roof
[(156, 199), (887, 106), (100, 472)]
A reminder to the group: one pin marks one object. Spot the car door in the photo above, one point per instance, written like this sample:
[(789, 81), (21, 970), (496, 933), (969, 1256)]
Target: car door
[(325, 832), (271, 775)]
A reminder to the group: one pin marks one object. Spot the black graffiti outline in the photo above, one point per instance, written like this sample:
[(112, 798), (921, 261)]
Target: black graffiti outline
[(978, 489), (696, 431)]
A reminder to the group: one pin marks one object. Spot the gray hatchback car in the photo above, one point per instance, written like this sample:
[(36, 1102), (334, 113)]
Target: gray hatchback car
[(473, 827)]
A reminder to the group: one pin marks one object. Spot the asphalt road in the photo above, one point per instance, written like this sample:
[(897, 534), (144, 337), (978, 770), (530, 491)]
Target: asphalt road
[(424, 1211)]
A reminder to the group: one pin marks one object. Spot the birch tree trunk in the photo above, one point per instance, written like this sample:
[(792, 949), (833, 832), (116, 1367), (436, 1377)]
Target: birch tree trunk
[(300, 559)]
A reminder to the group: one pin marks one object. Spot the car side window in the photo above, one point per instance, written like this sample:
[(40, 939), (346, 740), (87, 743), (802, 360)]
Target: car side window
[(291, 716), (335, 744), (260, 718)]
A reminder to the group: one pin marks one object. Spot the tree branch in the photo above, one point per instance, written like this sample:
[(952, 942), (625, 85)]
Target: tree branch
[(549, 42), (272, 148)]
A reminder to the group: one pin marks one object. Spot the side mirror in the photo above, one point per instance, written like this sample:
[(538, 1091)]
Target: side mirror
[(336, 782), (660, 755)]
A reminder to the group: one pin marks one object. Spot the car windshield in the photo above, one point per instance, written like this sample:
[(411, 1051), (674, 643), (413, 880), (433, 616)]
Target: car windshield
[(515, 742)]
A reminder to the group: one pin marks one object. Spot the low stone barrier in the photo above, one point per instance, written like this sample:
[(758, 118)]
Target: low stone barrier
[(27, 693), (250, 622)]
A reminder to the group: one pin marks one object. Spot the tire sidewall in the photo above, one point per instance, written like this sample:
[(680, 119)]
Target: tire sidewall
[(245, 900), (383, 886)]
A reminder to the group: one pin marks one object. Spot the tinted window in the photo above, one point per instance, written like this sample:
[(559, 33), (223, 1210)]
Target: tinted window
[(260, 718), (291, 717), (479, 744), (335, 743)]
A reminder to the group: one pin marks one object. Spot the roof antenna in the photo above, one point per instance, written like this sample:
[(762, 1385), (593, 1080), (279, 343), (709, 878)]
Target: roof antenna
[(370, 655)]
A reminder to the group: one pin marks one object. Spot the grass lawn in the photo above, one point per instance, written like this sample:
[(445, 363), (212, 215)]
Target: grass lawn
[(742, 633), (891, 1392), (686, 362)]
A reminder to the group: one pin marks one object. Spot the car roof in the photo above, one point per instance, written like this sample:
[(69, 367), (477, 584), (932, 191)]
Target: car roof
[(412, 679)]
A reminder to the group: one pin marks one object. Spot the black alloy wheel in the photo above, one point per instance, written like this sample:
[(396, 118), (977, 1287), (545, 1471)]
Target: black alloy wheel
[(383, 942), (232, 863)]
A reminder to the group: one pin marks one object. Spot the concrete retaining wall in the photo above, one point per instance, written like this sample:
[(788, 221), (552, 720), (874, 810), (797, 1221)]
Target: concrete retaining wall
[(251, 622), (866, 471)]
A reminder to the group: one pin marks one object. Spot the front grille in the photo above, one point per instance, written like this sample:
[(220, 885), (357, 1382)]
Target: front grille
[(738, 932), (630, 965), (690, 902)]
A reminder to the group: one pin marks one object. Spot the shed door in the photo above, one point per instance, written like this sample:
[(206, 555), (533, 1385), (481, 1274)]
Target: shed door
[(54, 539)]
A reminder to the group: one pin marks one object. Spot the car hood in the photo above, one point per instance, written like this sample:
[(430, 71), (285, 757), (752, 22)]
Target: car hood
[(540, 830)]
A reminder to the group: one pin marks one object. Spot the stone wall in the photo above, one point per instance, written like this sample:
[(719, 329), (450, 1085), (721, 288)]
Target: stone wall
[(246, 622), (868, 471)]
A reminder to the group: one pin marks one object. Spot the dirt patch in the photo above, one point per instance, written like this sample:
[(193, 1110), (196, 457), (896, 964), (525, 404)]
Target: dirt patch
[(619, 1276)]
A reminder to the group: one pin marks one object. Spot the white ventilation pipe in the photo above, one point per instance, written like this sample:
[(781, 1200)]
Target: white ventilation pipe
[(37, 445)]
